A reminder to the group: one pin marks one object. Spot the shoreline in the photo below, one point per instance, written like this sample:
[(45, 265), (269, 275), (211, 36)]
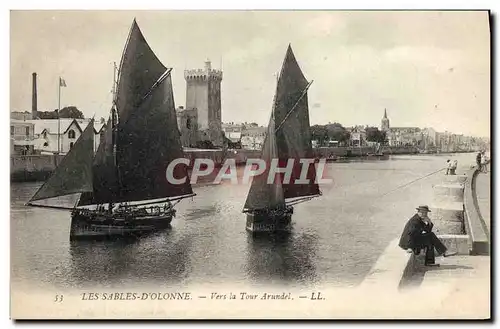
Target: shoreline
[(38, 168)]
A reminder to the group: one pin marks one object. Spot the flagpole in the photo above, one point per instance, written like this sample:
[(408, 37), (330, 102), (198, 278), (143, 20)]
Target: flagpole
[(58, 118)]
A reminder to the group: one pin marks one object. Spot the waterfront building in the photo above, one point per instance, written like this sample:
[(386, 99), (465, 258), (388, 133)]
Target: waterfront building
[(22, 136), (429, 136), (357, 136), (404, 136), (233, 133), (401, 136), (252, 138), (203, 95), (44, 136)]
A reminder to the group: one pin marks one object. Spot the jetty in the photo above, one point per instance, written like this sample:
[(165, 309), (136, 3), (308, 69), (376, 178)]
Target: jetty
[(460, 286)]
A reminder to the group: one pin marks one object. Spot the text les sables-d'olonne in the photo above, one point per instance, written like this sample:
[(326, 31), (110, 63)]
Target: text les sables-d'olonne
[(93, 296)]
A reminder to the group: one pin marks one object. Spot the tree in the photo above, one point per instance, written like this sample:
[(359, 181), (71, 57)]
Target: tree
[(332, 131), (70, 112), (319, 134), (338, 133), (375, 135)]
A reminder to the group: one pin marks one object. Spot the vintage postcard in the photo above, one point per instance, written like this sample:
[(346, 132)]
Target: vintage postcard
[(250, 164)]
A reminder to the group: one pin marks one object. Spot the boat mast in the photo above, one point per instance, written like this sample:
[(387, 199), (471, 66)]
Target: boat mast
[(114, 121), (113, 90)]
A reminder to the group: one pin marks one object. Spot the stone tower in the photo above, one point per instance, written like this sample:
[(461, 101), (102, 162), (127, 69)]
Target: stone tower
[(384, 126), (203, 93)]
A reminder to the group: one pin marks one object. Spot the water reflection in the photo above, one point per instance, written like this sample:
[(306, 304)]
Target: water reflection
[(159, 257), (282, 259), (201, 212), (336, 237)]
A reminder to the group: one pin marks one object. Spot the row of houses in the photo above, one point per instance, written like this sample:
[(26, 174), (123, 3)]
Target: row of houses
[(422, 138), (250, 137), (31, 137)]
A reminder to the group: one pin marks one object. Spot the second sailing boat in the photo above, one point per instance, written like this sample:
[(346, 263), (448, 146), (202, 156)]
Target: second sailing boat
[(269, 205), (124, 187)]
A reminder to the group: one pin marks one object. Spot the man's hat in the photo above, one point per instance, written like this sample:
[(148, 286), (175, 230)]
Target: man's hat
[(424, 208)]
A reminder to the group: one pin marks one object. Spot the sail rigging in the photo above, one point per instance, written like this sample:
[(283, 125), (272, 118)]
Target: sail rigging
[(263, 195), (141, 137), (74, 173), (294, 137), (289, 132), (147, 142), (139, 70)]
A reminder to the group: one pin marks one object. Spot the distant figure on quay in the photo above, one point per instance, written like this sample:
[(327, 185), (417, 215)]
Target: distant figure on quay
[(478, 160)]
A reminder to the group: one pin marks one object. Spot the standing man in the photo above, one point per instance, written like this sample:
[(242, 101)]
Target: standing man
[(417, 235), (453, 168), (478, 160), (484, 162)]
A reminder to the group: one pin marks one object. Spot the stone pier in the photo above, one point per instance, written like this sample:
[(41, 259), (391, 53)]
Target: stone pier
[(447, 208)]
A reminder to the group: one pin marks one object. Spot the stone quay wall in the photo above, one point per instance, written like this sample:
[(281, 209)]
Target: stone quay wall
[(457, 223), (25, 168)]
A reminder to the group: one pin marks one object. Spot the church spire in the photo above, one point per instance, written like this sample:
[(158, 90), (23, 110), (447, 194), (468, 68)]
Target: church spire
[(385, 122)]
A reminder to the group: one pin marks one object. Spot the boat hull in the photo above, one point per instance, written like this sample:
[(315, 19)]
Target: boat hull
[(269, 223), (378, 156), (90, 226)]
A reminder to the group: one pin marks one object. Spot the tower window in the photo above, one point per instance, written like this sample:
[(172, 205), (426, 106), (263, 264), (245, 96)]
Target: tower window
[(71, 134), (71, 145), (188, 123)]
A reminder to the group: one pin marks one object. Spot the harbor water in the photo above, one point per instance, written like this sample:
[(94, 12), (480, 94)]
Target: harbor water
[(336, 238)]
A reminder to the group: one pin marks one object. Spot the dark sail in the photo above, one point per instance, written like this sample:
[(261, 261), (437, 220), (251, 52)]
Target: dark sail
[(74, 173), (104, 174), (140, 69), (146, 144), (293, 135), (263, 195)]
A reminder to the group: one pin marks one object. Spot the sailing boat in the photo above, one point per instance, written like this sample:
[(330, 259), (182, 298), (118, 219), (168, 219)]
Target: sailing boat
[(129, 167), (269, 204)]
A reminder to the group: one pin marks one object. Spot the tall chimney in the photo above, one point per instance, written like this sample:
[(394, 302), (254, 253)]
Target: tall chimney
[(34, 113)]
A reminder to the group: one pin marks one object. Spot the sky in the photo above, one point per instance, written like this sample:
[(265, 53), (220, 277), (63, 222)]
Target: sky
[(428, 69)]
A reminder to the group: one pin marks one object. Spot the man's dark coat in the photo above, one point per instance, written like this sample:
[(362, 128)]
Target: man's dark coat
[(412, 238)]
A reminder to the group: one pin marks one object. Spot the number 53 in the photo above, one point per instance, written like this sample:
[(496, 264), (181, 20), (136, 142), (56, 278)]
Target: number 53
[(59, 298)]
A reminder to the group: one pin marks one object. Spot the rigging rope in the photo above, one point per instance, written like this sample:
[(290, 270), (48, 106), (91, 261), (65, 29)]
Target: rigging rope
[(304, 92), (413, 181)]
